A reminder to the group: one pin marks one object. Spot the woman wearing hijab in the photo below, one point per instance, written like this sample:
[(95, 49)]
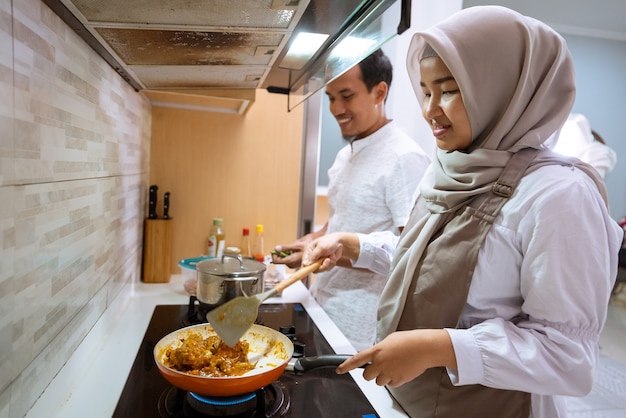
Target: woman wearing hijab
[(499, 284)]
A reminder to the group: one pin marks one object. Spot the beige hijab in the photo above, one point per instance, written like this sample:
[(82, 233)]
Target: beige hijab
[(516, 78)]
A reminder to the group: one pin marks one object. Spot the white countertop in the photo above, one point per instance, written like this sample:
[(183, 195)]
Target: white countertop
[(88, 382)]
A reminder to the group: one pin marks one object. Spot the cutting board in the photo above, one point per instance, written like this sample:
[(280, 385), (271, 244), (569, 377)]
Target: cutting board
[(157, 250)]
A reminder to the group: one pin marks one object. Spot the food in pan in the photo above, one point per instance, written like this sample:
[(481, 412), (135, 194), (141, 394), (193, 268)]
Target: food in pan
[(209, 357), (268, 350)]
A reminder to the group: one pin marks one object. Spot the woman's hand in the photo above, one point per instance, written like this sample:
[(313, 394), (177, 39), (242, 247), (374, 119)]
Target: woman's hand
[(328, 249), (403, 356)]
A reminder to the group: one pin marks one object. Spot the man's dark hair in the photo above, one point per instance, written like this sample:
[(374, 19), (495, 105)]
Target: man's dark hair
[(376, 68)]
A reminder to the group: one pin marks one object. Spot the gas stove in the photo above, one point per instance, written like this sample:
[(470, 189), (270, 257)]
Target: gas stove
[(316, 393)]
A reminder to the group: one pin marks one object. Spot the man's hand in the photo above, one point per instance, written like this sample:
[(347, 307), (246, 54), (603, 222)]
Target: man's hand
[(291, 255)]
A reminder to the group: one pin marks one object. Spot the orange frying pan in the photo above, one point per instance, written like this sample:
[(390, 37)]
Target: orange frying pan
[(269, 349)]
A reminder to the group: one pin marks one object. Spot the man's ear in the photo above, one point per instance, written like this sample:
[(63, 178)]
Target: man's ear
[(382, 89)]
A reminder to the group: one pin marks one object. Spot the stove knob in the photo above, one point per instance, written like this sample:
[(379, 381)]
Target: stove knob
[(289, 331), (298, 349)]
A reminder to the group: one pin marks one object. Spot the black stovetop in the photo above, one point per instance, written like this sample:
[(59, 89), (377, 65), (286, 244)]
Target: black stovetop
[(319, 393)]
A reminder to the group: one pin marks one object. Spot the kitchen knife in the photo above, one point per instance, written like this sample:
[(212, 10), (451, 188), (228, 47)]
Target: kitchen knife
[(152, 202), (166, 205)]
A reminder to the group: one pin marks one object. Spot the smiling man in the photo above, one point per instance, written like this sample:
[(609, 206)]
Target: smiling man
[(372, 185)]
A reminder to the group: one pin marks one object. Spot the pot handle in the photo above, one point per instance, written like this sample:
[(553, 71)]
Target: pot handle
[(303, 364), (238, 257)]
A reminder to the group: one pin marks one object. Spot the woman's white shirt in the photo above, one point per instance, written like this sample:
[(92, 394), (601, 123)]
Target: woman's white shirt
[(539, 293)]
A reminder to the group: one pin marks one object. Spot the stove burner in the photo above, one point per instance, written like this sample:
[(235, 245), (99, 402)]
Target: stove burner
[(272, 401), (315, 394), (222, 406), (196, 312)]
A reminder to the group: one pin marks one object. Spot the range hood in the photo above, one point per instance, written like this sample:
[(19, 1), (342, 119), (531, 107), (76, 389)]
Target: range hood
[(213, 54), (358, 35)]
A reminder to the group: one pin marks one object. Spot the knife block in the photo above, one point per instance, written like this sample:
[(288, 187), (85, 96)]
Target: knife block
[(157, 250)]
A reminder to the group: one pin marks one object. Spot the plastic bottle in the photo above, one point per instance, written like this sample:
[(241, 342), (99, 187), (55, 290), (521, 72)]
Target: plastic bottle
[(246, 248), (217, 238), (258, 250)]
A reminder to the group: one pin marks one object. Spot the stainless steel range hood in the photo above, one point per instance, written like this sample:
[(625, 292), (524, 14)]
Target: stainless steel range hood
[(214, 54), (360, 34)]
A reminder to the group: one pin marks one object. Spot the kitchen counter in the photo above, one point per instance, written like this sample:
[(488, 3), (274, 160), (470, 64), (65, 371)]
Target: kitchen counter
[(91, 381)]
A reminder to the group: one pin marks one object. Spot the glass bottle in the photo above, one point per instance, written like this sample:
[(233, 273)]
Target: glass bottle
[(217, 238), (258, 250), (246, 248)]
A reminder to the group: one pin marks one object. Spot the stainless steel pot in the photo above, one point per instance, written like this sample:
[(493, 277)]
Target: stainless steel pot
[(225, 278)]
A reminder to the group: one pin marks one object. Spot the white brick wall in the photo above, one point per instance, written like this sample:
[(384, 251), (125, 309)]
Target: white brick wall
[(74, 150)]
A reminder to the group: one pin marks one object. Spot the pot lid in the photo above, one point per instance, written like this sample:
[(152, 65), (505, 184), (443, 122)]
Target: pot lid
[(231, 266)]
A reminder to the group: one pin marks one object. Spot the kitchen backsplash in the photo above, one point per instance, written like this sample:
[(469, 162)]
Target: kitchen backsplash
[(74, 155)]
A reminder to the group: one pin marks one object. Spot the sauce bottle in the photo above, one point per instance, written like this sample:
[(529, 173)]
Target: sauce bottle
[(217, 239), (246, 249), (258, 251)]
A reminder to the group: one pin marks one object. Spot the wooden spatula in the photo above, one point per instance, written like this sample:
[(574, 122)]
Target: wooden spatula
[(232, 319)]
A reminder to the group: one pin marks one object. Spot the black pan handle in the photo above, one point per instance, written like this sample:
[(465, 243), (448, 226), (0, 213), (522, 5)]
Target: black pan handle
[(304, 364)]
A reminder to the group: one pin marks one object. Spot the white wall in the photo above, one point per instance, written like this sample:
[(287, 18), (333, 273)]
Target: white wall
[(74, 152), (402, 105), (600, 93)]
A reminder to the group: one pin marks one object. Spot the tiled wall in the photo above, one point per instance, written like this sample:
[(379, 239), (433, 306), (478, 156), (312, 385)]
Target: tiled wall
[(74, 153)]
